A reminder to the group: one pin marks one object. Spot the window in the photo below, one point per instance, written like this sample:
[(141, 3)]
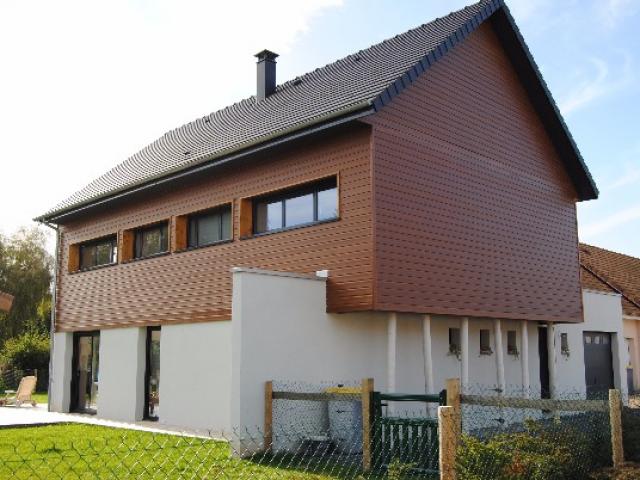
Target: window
[(151, 240), (485, 342), (98, 252), (512, 345), (308, 204), (209, 227), (564, 344), (454, 341)]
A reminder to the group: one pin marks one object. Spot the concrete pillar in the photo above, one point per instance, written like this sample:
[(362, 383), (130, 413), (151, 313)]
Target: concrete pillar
[(464, 352), (551, 348), (61, 372), (497, 328), (524, 357), (392, 339), (428, 357)]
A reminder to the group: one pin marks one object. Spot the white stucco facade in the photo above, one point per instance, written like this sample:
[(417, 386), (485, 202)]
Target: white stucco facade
[(631, 327), (60, 375), (602, 313), (121, 376)]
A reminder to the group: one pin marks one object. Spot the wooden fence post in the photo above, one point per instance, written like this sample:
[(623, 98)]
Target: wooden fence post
[(615, 417), (452, 386), (268, 416), (448, 442), (367, 390)]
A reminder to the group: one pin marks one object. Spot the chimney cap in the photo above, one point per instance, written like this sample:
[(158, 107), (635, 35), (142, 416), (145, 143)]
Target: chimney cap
[(266, 55)]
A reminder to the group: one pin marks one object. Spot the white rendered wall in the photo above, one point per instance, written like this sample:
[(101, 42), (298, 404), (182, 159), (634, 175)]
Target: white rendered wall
[(602, 313), (60, 381), (281, 331), (632, 332), (121, 374), (195, 375)]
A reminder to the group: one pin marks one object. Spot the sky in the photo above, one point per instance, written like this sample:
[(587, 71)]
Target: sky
[(85, 84)]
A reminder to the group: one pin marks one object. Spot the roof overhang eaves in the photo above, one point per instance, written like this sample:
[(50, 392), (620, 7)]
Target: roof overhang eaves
[(337, 117), (530, 74)]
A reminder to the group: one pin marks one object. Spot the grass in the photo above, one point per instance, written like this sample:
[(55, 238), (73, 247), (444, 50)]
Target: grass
[(87, 451), (40, 397)]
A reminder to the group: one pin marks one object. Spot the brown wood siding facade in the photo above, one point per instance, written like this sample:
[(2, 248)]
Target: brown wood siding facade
[(473, 211), (195, 285)]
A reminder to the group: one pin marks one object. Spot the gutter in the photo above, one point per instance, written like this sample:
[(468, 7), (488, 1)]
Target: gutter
[(340, 117), (54, 306)]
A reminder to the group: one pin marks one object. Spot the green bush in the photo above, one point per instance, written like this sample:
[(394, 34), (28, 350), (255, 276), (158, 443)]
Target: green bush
[(26, 353), (550, 452), (631, 434)]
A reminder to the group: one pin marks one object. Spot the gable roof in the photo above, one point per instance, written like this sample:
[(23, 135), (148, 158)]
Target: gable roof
[(357, 85), (619, 272)]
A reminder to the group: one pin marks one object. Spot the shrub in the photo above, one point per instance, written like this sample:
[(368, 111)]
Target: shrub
[(26, 353), (631, 434), (547, 451)]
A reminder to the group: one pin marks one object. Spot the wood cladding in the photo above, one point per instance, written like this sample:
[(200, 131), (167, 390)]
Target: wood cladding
[(195, 285), (473, 211)]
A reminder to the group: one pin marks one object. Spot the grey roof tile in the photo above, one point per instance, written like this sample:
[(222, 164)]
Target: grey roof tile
[(349, 83)]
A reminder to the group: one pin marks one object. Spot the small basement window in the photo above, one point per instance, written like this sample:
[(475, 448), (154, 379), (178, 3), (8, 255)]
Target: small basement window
[(512, 343), (485, 342), (300, 206), (454, 341), (151, 240), (210, 227), (94, 253)]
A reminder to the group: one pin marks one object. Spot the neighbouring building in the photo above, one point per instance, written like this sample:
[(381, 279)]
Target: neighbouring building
[(406, 213), (6, 301)]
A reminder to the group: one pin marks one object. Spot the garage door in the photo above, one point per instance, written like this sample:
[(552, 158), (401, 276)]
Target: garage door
[(598, 366)]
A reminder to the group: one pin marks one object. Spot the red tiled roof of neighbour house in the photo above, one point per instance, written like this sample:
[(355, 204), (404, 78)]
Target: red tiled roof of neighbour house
[(6, 301), (615, 271), (357, 85)]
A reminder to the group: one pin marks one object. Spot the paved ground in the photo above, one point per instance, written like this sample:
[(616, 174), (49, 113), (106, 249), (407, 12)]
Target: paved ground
[(38, 415)]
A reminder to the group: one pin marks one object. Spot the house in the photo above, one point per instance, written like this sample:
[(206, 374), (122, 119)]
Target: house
[(406, 213), (6, 301), (619, 274)]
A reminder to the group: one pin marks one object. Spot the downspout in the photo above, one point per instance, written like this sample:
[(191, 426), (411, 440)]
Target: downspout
[(54, 304)]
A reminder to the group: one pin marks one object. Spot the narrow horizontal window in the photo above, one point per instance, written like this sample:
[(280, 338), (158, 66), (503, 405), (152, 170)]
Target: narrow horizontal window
[(98, 252), (209, 227), (151, 240), (312, 203)]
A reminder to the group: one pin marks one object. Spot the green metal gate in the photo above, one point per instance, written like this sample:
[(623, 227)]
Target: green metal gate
[(409, 440)]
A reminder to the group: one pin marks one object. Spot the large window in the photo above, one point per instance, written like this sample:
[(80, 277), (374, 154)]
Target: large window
[(209, 227), (151, 240), (98, 252), (306, 205)]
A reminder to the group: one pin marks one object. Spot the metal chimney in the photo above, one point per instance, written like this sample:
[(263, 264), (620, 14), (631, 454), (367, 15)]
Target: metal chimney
[(266, 74)]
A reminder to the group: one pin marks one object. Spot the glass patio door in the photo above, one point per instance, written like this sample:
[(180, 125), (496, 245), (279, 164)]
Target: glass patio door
[(85, 373)]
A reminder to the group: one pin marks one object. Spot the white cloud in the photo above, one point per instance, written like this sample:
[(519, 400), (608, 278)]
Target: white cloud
[(612, 11), (600, 84), (86, 84), (612, 222)]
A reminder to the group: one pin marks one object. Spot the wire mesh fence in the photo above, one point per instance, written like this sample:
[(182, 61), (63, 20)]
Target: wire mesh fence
[(318, 431), (514, 434)]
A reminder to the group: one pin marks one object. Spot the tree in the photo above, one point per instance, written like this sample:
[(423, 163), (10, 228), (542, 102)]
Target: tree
[(26, 272)]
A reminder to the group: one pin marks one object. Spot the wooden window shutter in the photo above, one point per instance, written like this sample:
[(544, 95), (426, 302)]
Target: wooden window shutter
[(179, 227), (126, 244), (246, 217), (74, 258)]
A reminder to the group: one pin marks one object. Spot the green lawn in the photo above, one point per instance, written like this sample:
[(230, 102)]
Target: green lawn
[(40, 397), (84, 451)]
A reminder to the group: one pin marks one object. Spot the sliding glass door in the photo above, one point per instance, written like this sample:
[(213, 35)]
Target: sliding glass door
[(152, 387), (86, 367)]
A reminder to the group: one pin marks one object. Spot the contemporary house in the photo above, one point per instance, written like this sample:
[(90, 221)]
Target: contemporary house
[(406, 213)]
